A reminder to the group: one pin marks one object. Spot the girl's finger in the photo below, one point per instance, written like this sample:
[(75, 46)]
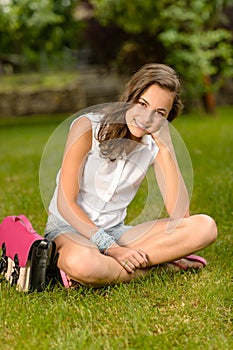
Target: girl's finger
[(128, 266), (143, 255), (138, 260)]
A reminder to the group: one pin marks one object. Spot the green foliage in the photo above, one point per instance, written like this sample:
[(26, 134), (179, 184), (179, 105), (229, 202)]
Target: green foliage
[(196, 44), (203, 54), (132, 16), (189, 32), (30, 28)]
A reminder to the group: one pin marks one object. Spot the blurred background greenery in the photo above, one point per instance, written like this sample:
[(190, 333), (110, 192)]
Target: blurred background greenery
[(70, 38)]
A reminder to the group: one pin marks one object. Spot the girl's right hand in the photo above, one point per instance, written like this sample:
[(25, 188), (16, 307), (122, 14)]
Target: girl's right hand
[(130, 259)]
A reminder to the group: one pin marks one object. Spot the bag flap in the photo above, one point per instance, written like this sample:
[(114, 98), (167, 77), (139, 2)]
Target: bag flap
[(18, 235)]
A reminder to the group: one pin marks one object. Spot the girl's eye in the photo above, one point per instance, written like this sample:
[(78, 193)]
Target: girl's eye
[(142, 104), (159, 113)]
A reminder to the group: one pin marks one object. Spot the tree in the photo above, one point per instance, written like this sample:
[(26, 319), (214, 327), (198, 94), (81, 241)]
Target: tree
[(31, 27), (201, 47), (188, 30)]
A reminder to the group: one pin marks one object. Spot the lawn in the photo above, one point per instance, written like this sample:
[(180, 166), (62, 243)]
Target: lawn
[(163, 311)]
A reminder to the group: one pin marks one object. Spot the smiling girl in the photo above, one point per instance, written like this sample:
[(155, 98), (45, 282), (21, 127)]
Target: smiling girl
[(106, 157)]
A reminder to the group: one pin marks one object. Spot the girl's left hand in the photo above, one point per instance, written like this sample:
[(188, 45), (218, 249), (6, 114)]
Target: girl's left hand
[(162, 135), (130, 259)]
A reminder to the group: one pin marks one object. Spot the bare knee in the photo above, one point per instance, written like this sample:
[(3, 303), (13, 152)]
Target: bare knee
[(82, 267), (207, 227)]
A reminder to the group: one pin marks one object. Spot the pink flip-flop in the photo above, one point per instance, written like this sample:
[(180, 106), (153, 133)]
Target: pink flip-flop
[(196, 258), (64, 279), (67, 282)]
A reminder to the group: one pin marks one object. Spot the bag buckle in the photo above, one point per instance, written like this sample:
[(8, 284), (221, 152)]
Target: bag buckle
[(3, 260), (16, 271)]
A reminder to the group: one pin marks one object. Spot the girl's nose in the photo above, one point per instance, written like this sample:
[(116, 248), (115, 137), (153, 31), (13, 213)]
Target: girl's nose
[(146, 115)]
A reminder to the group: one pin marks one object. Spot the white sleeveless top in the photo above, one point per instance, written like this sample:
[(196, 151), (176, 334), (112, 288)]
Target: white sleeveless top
[(108, 187)]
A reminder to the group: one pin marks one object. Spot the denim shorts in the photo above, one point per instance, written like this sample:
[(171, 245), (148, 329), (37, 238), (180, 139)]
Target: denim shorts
[(56, 227)]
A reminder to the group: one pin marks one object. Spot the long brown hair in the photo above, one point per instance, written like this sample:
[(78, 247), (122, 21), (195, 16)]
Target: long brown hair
[(113, 132)]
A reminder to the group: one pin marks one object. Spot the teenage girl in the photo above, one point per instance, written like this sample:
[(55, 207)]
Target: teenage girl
[(106, 157)]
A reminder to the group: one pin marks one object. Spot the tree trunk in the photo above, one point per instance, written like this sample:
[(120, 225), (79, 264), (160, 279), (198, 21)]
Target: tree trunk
[(209, 98)]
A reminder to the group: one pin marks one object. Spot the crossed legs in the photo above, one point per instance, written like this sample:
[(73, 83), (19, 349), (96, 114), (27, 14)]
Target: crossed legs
[(84, 263)]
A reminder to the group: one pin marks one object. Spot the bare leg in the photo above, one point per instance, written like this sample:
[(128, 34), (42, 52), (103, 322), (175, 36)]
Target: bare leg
[(85, 264), (192, 234)]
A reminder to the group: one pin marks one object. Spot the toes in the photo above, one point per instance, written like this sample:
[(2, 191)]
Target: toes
[(190, 264)]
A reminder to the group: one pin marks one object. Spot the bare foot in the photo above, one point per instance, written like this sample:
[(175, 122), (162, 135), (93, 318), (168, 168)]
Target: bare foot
[(182, 264)]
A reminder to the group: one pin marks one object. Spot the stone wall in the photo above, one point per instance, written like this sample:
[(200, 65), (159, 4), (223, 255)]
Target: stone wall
[(20, 103), (92, 88), (41, 102)]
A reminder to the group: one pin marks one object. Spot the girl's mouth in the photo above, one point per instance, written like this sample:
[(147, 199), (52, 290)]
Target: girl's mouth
[(140, 125)]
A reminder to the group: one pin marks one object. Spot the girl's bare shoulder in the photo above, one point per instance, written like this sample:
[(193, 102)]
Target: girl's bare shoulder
[(80, 134), (81, 124)]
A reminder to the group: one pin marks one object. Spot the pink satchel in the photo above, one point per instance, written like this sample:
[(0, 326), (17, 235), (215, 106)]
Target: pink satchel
[(28, 260)]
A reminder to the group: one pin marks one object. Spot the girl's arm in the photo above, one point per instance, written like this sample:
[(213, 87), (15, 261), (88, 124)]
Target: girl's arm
[(169, 177), (78, 145)]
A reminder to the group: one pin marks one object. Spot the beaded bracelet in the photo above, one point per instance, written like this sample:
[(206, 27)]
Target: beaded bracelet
[(102, 240)]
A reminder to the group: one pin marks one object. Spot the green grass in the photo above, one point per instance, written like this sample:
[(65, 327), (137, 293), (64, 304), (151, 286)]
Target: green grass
[(163, 311)]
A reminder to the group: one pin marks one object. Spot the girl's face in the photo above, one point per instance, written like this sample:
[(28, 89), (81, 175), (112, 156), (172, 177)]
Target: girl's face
[(149, 113)]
